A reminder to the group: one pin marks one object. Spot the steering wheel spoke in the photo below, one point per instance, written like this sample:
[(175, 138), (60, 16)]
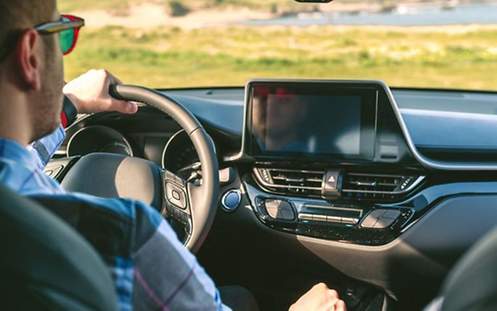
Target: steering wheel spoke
[(189, 200), (176, 202)]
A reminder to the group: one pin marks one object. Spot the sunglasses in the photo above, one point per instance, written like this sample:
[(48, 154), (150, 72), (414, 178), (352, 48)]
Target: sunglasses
[(67, 27)]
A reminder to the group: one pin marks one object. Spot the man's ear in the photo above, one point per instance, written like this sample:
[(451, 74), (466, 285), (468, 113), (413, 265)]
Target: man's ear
[(28, 56)]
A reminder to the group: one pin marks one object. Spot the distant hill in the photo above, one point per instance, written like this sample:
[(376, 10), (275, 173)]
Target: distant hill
[(183, 7), (123, 5), (274, 6)]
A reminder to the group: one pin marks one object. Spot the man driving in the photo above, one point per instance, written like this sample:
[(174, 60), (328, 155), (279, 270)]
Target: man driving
[(151, 269), (279, 121)]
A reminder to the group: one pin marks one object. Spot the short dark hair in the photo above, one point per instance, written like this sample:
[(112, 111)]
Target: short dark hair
[(17, 15)]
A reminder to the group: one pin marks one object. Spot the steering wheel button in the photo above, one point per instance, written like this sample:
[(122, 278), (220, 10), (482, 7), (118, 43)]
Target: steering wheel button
[(173, 178), (175, 195), (182, 217)]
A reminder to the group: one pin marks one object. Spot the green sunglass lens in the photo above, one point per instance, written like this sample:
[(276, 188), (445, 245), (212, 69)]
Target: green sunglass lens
[(66, 38)]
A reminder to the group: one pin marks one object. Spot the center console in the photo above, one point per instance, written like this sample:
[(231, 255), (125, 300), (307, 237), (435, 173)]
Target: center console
[(325, 160)]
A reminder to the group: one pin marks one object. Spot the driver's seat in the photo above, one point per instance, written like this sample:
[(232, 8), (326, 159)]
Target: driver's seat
[(46, 265)]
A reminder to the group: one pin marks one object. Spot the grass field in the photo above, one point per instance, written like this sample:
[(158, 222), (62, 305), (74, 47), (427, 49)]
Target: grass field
[(453, 57)]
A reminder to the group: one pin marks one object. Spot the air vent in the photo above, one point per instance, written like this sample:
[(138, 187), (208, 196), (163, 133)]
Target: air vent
[(378, 186), (298, 182), (357, 186)]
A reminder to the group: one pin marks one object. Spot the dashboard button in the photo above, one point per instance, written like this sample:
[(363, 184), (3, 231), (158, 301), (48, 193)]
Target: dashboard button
[(380, 219), (231, 200), (279, 209), (369, 222), (332, 184), (392, 214), (227, 175), (383, 223), (387, 219), (371, 219)]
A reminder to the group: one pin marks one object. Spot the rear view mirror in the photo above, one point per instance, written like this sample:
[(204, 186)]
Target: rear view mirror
[(314, 1)]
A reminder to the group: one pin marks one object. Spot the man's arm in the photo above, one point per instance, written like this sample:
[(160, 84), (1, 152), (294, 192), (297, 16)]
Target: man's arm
[(89, 93), (167, 275), (44, 148)]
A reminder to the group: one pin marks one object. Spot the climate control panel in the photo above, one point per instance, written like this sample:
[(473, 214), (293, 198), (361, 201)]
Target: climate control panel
[(363, 224)]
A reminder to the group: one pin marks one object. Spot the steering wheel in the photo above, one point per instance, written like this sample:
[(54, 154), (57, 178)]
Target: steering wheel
[(191, 203)]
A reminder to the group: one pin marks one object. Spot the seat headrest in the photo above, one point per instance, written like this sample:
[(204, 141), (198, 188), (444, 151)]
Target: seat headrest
[(45, 264), (472, 284)]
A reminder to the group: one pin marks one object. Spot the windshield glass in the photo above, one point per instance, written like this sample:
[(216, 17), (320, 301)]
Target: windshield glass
[(195, 43)]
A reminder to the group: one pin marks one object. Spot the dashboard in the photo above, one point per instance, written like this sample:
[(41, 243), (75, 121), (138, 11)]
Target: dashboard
[(357, 164), (373, 175)]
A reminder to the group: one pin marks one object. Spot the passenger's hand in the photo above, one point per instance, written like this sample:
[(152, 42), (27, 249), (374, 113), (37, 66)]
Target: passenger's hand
[(90, 93), (319, 298)]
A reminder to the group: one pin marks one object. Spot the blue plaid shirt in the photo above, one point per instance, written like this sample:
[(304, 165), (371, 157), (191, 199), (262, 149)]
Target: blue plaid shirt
[(151, 269)]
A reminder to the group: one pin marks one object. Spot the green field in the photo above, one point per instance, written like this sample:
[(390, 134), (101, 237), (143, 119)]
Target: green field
[(453, 57)]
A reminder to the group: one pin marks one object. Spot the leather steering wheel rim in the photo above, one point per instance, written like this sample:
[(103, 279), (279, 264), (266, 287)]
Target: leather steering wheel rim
[(203, 198)]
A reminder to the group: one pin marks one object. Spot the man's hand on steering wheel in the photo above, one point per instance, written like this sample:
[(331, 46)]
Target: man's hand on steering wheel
[(90, 93), (191, 204)]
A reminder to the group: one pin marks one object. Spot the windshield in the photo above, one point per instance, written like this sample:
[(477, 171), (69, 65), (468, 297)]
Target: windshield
[(195, 43)]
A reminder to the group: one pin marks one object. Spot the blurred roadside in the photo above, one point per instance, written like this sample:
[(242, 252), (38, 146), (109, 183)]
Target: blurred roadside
[(173, 43), (207, 13)]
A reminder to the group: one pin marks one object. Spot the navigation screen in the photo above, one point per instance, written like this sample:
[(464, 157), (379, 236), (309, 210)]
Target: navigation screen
[(312, 121)]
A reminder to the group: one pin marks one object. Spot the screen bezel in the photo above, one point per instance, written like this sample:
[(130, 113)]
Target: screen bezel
[(368, 91)]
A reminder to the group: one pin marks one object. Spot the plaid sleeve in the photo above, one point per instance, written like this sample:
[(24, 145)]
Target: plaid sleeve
[(166, 275), (46, 147)]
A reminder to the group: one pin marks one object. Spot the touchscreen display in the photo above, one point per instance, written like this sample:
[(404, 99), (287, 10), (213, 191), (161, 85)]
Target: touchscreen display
[(311, 121)]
